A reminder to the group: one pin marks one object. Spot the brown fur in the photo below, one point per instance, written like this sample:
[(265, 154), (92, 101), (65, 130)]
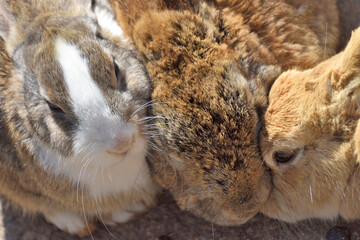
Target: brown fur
[(314, 114), (27, 122), (211, 65), (205, 120), (201, 115), (276, 37)]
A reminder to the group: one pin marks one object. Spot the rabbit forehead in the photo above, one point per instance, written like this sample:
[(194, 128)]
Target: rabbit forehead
[(83, 91), (76, 74)]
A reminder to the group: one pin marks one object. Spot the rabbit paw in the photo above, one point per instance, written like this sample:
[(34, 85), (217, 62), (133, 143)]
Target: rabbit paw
[(124, 215), (70, 222)]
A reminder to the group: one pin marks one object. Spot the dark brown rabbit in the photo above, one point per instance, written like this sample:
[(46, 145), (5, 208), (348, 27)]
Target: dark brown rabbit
[(211, 64)]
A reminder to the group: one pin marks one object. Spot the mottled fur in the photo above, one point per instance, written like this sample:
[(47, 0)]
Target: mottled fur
[(37, 138), (314, 115), (211, 65)]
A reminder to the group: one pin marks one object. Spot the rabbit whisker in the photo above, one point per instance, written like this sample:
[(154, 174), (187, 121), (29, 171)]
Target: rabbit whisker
[(85, 217), (154, 147), (142, 168), (212, 230), (148, 104), (102, 175), (98, 213), (175, 169), (95, 174), (149, 118), (83, 168), (110, 178), (168, 134), (283, 195), (326, 38), (262, 157), (155, 125), (78, 183)]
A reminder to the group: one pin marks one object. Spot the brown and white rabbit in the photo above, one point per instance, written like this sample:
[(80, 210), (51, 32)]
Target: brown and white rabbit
[(207, 63), (311, 140), (72, 142)]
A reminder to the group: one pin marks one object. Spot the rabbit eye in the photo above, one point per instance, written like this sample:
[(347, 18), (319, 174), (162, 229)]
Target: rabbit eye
[(54, 108), (99, 36), (120, 78), (284, 157)]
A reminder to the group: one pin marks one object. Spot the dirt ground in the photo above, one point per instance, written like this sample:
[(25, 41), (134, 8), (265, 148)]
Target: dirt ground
[(168, 222)]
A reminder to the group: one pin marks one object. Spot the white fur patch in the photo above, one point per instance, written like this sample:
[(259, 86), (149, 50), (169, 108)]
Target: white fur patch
[(122, 216), (130, 173), (67, 221), (107, 21)]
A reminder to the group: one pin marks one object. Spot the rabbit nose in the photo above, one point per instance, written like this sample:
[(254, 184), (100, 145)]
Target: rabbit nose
[(122, 145)]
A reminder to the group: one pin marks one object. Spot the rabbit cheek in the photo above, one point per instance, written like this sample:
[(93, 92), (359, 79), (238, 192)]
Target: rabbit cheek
[(52, 129)]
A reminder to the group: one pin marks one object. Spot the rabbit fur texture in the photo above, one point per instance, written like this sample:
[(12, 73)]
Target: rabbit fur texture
[(73, 97), (211, 64), (311, 140)]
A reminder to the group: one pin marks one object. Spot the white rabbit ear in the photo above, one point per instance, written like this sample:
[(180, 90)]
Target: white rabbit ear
[(86, 3), (7, 21), (106, 19)]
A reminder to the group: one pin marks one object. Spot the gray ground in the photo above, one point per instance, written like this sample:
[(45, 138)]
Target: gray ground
[(167, 222)]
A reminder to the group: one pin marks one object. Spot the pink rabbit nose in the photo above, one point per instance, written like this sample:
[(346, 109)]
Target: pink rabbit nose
[(122, 145)]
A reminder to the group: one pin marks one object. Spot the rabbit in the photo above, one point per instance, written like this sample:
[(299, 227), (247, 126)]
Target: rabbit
[(210, 67), (311, 140), (73, 94)]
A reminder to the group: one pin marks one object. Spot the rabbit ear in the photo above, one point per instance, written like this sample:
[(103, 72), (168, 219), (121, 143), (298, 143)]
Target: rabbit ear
[(6, 21), (346, 76), (106, 18), (348, 68), (9, 28), (86, 3)]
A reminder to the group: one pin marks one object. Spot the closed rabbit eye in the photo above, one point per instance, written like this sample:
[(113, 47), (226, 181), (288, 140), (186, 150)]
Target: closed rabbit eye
[(99, 35), (120, 77), (285, 156), (54, 108)]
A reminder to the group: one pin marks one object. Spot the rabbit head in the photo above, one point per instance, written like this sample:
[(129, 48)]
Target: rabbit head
[(79, 94), (212, 64), (203, 133), (310, 141)]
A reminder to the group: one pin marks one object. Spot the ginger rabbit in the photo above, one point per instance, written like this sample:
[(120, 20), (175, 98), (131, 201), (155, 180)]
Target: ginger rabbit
[(311, 140)]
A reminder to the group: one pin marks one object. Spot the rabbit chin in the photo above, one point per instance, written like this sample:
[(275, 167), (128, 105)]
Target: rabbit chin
[(213, 211), (306, 207), (100, 173)]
